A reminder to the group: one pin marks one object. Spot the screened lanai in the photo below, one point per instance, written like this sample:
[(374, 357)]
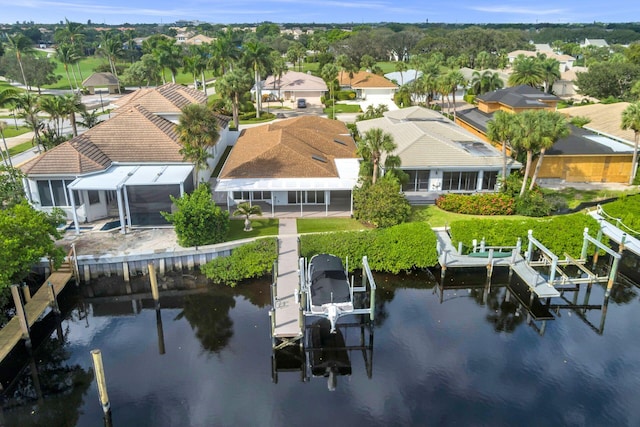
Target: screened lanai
[(140, 192)]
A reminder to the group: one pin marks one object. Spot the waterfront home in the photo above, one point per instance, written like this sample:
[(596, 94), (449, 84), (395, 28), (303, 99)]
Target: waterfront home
[(293, 85), (302, 161), (438, 155)]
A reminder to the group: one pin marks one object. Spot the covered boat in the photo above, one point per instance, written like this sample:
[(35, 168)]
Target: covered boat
[(330, 294)]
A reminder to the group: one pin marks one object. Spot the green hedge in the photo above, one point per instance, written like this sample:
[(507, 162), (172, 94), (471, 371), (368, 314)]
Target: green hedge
[(395, 249), (627, 209), (251, 260), (559, 234), (477, 204)]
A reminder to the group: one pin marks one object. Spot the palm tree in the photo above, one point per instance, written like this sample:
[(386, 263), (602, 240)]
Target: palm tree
[(279, 67), (89, 119), (501, 129), (232, 86), (527, 137), (28, 108), (72, 34), (21, 45), (66, 54), (455, 80), (256, 54), (72, 104), (246, 210), (554, 127), (54, 107), (195, 62), (401, 67), (329, 73), (198, 133), (550, 72), (111, 47), (486, 82), (631, 120), (526, 71), (373, 145)]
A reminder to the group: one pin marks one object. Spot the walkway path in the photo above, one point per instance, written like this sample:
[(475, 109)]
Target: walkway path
[(287, 311)]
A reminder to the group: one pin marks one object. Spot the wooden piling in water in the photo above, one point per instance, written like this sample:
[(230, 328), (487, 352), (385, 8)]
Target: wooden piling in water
[(26, 292), (22, 315), (154, 283), (53, 300), (101, 381)]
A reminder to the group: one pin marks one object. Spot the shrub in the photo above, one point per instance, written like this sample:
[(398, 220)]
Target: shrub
[(559, 234), (198, 220), (248, 261), (626, 208), (381, 204), (469, 98), (477, 204), (533, 203), (394, 249)]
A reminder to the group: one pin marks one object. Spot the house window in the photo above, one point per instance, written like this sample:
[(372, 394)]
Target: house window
[(53, 192), (94, 197), (459, 181), (489, 180), (305, 197)]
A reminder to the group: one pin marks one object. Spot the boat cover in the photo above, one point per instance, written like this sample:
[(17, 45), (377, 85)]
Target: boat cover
[(329, 282)]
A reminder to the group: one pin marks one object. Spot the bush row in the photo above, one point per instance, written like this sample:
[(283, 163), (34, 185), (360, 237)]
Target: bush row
[(254, 259), (477, 204), (395, 249), (559, 234), (627, 209)]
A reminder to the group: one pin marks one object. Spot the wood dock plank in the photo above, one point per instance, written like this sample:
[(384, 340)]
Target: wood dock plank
[(11, 334), (287, 312)]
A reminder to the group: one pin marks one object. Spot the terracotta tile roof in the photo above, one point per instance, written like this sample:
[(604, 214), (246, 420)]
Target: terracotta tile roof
[(301, 147), (168, 98), (135, 135), (75, 157), (364, 79)]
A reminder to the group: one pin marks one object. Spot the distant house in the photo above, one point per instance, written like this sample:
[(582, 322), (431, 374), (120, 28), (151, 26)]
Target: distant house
[(372, 88), (197, 40), (438, 155), (404, 77), (125, 167), (594, 42), (581, 157), (565, 61), (293, 85), (302, 161), (101, 80), (566, 85)]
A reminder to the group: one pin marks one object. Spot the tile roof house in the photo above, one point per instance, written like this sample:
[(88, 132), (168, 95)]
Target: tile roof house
[(107, 80), (583, 156), (566, 61), (371, 87), (293, 85), (126, 166), (307, 160), (439, 156)]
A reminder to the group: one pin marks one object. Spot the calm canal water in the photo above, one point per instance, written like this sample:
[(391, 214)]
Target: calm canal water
[(458, 356)]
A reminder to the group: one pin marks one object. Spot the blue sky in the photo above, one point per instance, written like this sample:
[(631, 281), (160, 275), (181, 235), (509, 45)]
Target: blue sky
[(320, 11)]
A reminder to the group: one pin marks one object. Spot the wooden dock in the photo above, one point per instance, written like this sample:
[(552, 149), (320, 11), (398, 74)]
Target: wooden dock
[(287, 314), (448, 257), (614, 233), (12, 333)]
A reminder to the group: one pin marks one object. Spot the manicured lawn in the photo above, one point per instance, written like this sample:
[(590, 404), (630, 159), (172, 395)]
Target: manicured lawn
[(261, 227), (319, 225), (437, 217), (574, 196), (10, 131), (344, 108), (21, 148)]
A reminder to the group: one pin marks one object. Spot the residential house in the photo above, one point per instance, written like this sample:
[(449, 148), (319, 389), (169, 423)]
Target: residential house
[(438, 155), (293, 85), (370, 88), (297, 162), (565, 61), (566, 85), (126, 166), (595, 42), (101, 80), (581, 157), (403, 77), (198, 39)]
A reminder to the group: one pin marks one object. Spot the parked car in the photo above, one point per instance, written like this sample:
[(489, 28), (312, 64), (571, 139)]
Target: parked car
[(302, 103)]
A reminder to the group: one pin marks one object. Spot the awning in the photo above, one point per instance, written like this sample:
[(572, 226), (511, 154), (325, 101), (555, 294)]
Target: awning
[(118, 175)]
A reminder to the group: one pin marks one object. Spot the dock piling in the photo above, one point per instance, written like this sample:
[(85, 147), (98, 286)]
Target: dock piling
[(26, 292), (154, 283), (101, 381), (22, 315), (53, 300)]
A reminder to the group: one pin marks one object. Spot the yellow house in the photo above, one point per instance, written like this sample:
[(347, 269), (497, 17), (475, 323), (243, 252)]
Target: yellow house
[(584, 156)]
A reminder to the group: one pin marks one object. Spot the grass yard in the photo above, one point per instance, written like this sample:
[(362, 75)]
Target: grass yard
[(20, 148), (10, 131), (261, 227), (320, 225), (344, 108), (437, 217), (574, 196)]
